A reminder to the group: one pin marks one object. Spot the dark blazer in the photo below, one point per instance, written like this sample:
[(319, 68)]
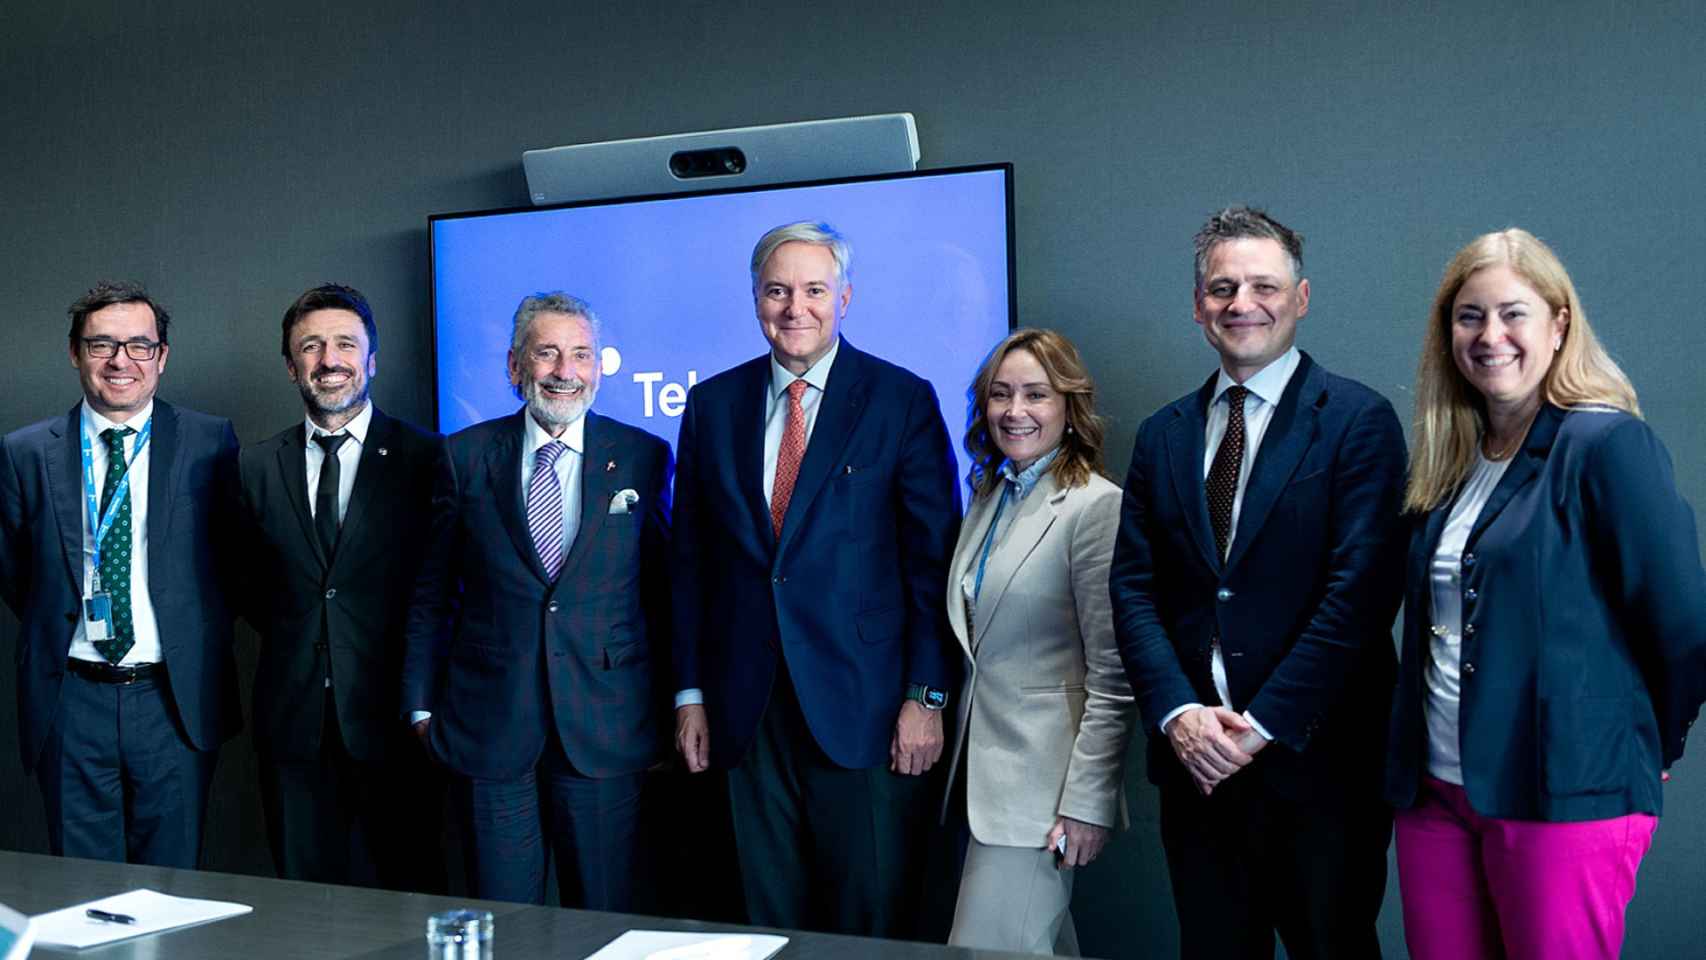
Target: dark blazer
[(1303, 605), (501, 654), (362, 596), (191, 491), (1584, 628), (852, 594)]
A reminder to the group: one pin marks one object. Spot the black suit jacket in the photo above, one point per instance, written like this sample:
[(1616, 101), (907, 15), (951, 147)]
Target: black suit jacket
[(1303, 605), (191, 489), (361, 597), (500, 653), (1584, 628), (851, 594)]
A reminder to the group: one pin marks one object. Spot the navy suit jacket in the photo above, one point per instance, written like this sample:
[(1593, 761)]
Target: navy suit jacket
[(191, 490), (1584, 628), (502, 654), (350, 607), (852, 593), (1303, 605)]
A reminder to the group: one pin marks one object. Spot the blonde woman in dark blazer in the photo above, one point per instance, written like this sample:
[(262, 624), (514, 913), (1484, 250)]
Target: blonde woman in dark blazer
[(1045, 712), (1554, 648)]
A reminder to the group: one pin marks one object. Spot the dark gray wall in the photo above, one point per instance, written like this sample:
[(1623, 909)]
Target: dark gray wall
[(229, 155)]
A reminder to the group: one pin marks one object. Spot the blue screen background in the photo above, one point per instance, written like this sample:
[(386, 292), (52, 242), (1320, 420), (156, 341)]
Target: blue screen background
[(670, 282)]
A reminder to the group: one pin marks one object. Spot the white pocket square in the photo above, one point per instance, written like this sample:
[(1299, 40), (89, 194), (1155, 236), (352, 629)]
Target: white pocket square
[(623, 501)]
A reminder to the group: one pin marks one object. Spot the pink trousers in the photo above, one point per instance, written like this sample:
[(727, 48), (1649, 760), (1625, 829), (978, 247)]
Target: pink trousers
[(1479, 887)]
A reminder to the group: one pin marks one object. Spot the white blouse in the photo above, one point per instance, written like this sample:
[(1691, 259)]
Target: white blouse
[(1446, 649)]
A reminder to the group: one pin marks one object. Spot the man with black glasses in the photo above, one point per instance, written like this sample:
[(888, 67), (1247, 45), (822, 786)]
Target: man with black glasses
[(110, 555)]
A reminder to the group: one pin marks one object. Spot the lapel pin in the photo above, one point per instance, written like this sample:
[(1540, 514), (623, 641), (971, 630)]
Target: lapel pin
[(383, 452), (610, 467)]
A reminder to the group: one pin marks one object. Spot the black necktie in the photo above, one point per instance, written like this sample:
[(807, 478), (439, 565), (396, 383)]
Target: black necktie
[(1223, 473), (326, 494)]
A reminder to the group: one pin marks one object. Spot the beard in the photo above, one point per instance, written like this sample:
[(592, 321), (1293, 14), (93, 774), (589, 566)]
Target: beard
[(323, 402), (553, 411)]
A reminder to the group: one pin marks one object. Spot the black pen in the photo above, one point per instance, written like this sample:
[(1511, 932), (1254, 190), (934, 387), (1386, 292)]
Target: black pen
[(106, 917)]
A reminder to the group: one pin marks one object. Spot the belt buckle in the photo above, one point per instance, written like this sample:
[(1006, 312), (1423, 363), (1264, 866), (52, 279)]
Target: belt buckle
[(127, 675)]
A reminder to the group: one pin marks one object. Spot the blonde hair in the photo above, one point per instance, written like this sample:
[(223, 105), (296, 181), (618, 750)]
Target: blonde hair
[(1080, 446), (1451, 415)]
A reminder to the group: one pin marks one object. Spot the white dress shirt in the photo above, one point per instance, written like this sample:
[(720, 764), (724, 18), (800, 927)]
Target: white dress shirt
[(349, 458), (143, 626), (567, 469), (1266, 387), (776, 407), (1445, 647), (776, 424)]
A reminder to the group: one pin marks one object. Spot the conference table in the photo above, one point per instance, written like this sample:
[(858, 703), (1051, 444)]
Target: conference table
[(293, 919)]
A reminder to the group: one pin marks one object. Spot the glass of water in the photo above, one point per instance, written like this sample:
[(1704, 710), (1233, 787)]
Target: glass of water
[(460, 935)]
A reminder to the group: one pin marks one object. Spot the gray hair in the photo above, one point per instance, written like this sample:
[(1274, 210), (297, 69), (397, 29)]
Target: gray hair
[(1241, 222), (819, 233), (555, 301)]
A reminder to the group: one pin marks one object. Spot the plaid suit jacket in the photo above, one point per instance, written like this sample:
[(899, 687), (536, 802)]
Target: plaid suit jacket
[(501, 653)]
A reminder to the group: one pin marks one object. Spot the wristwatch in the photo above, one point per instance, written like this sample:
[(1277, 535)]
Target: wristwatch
[(926, 696)]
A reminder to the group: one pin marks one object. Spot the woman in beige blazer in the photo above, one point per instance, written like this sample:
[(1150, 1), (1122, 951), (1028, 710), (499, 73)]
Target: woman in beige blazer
[(1045, 712)]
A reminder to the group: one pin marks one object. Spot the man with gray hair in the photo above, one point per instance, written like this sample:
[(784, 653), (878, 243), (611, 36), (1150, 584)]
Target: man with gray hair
[(817, 508), (531, 637), (1254, 583)]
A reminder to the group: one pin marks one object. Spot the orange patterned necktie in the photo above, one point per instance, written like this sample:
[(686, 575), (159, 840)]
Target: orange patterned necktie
[(788, 456)]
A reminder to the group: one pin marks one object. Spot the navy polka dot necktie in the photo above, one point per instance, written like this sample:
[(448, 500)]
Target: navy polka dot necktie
[(115, 552), (1223, 473)]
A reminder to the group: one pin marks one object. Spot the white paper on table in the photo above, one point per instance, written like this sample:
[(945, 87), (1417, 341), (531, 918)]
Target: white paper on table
[(154, 912), (676, 945), (17, 934)]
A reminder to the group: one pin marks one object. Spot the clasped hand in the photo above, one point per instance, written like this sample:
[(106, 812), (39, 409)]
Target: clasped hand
[(1213, 743)]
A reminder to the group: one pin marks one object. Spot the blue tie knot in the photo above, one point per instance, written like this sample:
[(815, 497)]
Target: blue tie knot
[(549, 454)]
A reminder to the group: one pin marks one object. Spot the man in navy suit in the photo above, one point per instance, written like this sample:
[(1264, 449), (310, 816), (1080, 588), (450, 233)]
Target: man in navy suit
[(816, 510), (541, 609), (1255, 580), (110, 555)]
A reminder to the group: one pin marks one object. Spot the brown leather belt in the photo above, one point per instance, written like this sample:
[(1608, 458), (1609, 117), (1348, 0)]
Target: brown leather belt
[(109, 673)]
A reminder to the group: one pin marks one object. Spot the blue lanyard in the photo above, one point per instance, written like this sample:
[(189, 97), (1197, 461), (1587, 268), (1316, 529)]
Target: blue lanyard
[(100, 525), (989, 540)]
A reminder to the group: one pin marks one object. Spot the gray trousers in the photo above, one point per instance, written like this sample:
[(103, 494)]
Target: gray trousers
[(1013, 899)]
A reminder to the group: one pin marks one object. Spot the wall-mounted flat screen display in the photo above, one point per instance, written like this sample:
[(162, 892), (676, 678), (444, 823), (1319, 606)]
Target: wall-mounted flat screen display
[(932, 278)]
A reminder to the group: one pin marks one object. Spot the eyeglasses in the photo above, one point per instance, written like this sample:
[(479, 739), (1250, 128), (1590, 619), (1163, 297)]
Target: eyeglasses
[(102, 348)]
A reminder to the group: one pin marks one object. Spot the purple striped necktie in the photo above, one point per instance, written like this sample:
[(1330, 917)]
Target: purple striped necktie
[(545, 507)]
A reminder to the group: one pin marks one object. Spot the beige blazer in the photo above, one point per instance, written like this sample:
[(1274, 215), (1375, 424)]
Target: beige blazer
[(1045, 712)]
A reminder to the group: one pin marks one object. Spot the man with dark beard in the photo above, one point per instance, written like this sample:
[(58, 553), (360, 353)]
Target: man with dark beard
[(540, 612), (336, 507)]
